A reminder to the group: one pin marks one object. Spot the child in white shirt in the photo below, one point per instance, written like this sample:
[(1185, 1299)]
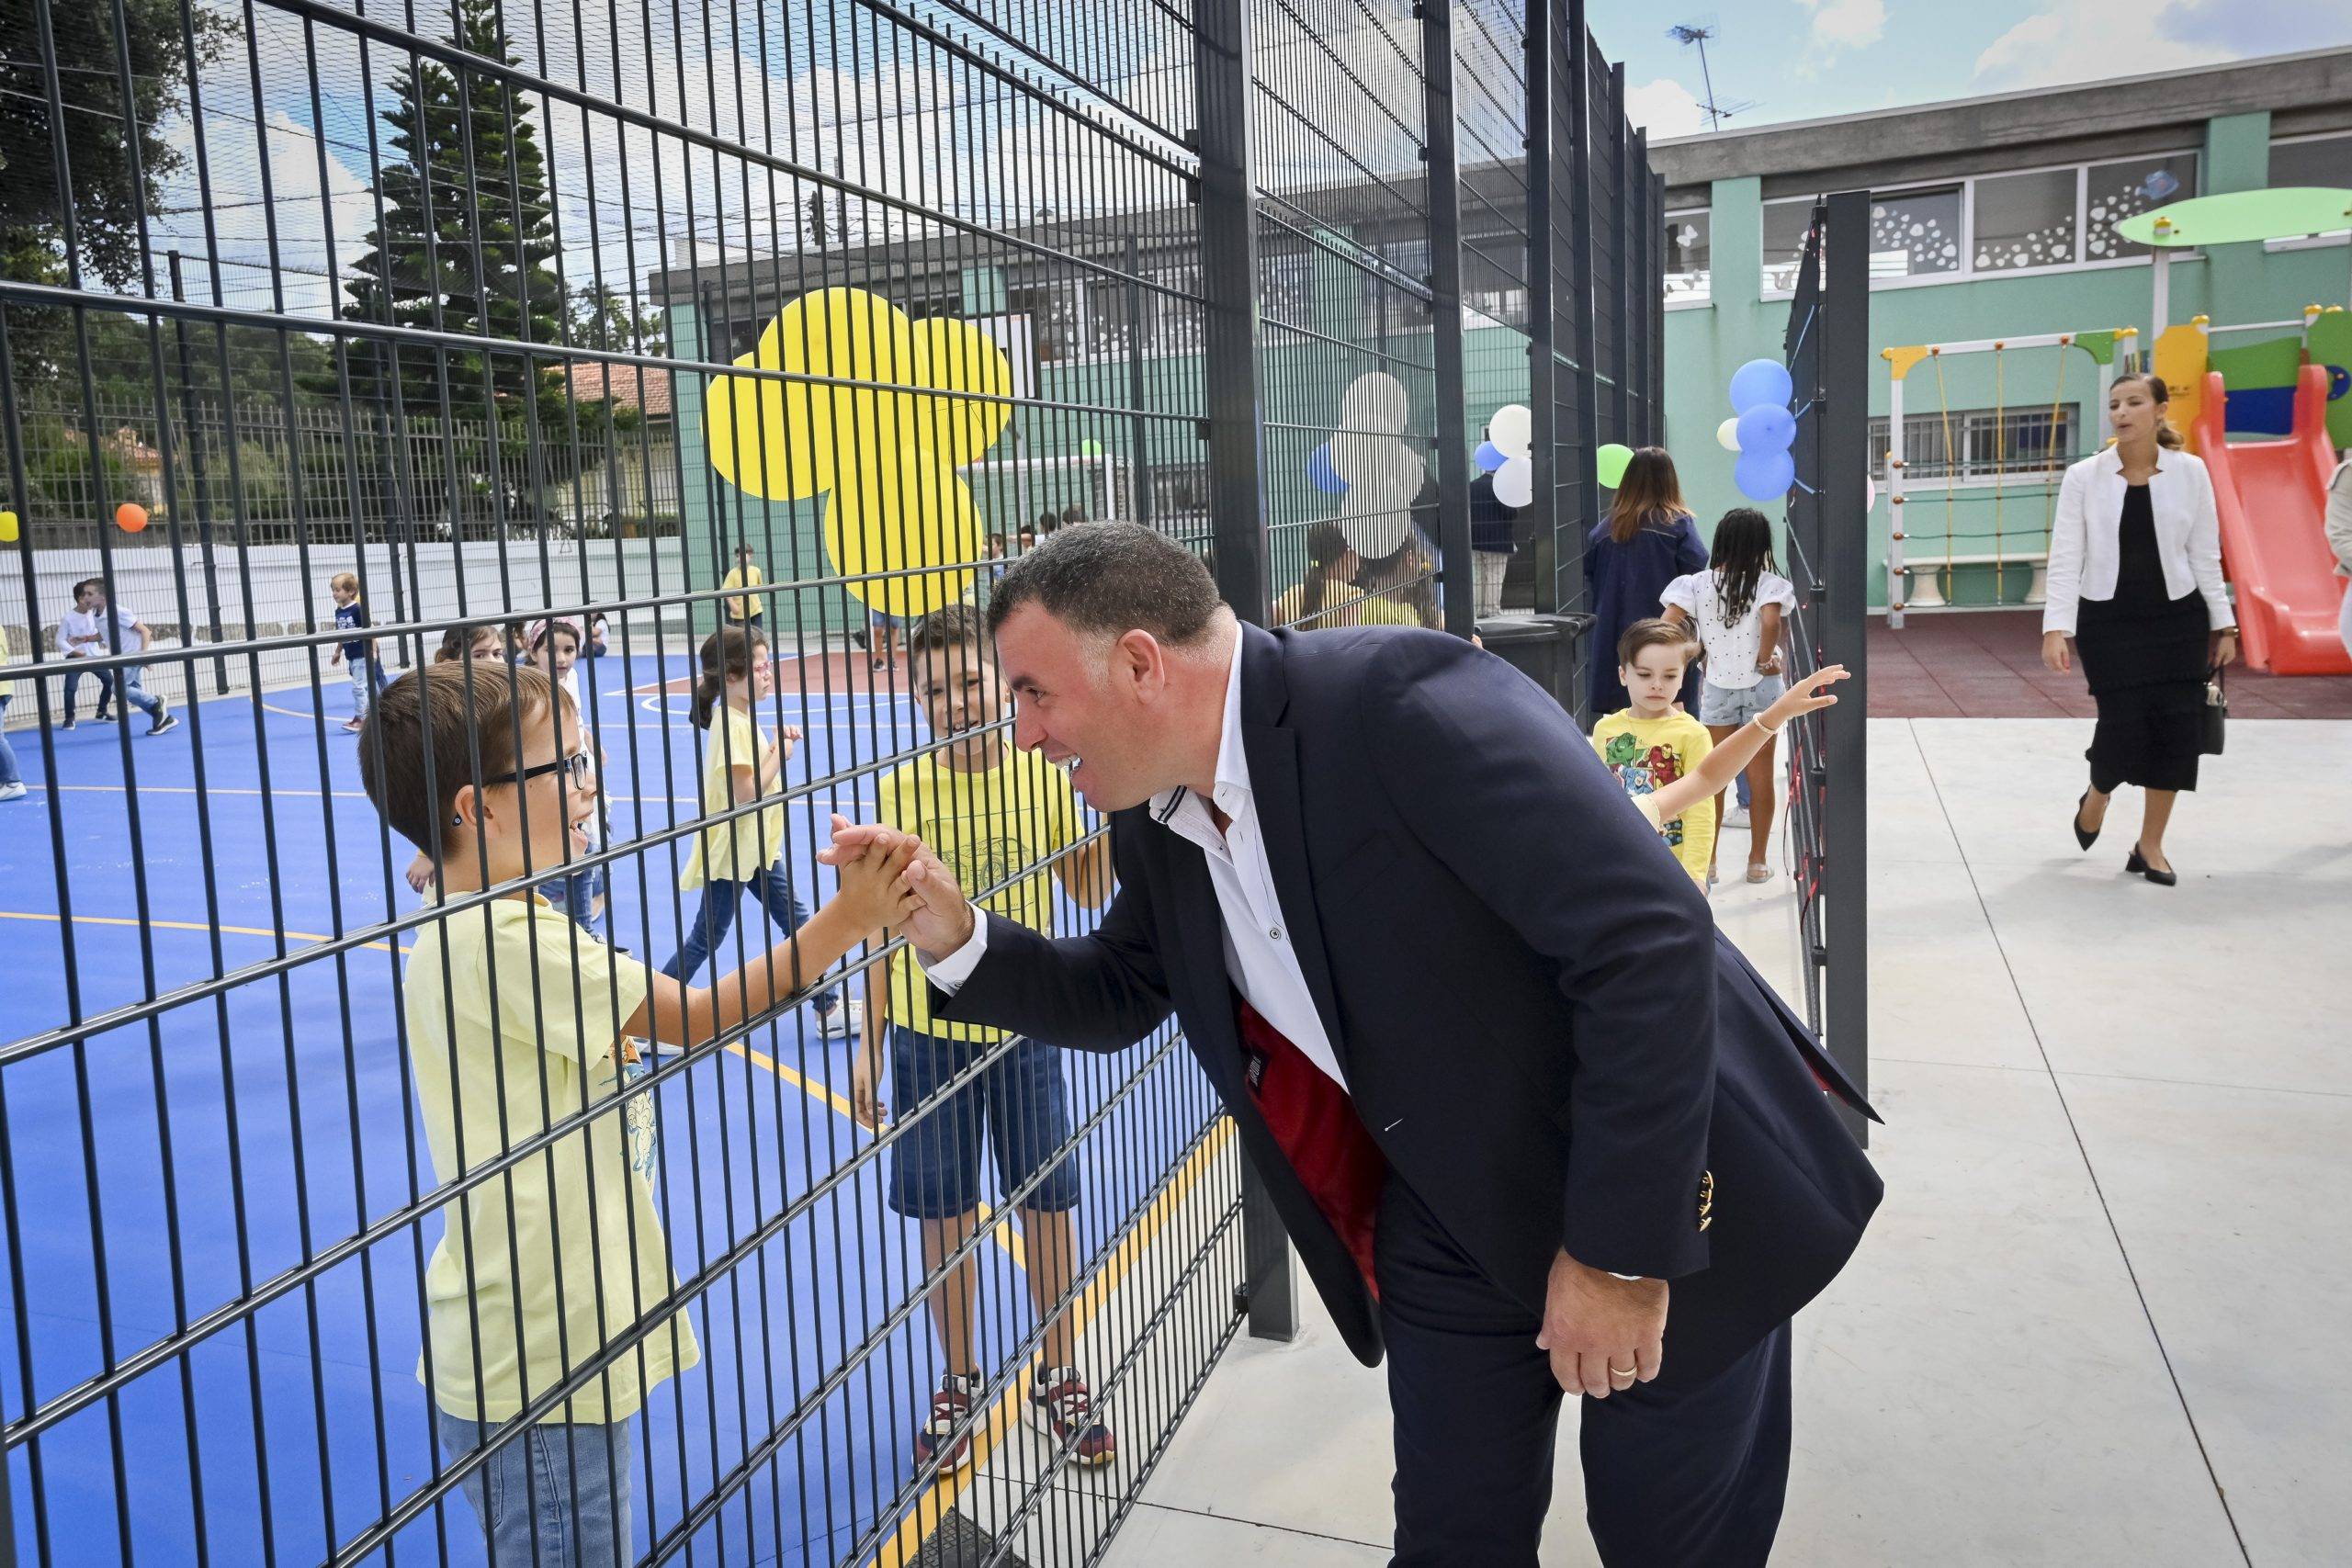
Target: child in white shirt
[(1733, 607)]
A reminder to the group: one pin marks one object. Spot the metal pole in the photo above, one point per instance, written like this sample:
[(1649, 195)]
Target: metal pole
[(1221, 75), (1898, 581), (1588, 475), (203, 490), (1624, 368), (1139, 474), (1542, 398), (1455, 572), (1842, 409)]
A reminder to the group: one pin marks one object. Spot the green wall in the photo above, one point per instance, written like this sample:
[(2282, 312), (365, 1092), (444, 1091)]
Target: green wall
[(1705, 343)]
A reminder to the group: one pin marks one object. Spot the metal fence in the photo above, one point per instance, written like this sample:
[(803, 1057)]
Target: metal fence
[(526, 315), (1826, 349)]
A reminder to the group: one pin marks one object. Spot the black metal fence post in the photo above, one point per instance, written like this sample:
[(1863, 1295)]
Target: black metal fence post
[(1543, 315), (1578, 56), (197, 477), (1228, 197), (1442, 159), (1841, 407)]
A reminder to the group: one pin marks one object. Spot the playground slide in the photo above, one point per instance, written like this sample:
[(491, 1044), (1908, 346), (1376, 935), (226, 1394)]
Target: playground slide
[(2271, 495)]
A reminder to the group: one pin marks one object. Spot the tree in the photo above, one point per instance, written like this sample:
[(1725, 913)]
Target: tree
[(464, 247), (105, 197)]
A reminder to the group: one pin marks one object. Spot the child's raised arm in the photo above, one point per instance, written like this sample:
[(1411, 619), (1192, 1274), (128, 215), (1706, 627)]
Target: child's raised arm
[(1720, 766), (870, 900)]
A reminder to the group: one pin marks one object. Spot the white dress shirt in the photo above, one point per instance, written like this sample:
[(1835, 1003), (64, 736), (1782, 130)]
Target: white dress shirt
[(2085, 555), (1259, 957)]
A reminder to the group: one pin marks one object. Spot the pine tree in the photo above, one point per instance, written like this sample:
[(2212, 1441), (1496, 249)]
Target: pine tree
[(464, 245)]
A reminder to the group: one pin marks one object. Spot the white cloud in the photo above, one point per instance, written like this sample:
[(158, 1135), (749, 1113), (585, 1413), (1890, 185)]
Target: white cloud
[(1845, 24), (2087, 41), (1665, 108)]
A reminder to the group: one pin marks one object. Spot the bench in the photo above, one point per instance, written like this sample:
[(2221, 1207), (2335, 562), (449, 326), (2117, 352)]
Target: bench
[(1924, 584)]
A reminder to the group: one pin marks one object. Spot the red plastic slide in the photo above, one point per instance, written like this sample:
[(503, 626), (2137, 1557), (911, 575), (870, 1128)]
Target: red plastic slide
[(2272, 495)]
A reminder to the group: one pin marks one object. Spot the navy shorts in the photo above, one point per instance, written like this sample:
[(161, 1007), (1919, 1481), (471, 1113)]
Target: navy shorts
[(1019, 1098)]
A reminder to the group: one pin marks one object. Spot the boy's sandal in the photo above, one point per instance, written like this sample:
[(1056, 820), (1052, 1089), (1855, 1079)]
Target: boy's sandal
[(1759, 873)]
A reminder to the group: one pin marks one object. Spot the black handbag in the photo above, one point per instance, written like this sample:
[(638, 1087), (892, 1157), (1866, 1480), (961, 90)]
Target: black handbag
[(2217, 715)]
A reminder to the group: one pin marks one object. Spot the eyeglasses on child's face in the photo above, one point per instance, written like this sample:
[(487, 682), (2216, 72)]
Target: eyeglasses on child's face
[(578, 766)]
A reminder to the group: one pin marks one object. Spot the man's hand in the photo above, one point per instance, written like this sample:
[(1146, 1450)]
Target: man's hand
[(942, 919), (1603, 1333)]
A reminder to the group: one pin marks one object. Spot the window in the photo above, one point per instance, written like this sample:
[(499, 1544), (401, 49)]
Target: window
[(2117, 191), (1687, 276), (1980, 444), (2024, 221), (2311, 160), (1915, 232), (1784, 226)]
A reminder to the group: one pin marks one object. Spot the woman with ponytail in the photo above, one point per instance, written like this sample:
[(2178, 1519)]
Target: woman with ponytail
[(743, 850), (2136, 588)]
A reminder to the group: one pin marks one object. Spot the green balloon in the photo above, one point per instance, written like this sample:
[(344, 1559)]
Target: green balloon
[(1611, 461), (1090, 448)]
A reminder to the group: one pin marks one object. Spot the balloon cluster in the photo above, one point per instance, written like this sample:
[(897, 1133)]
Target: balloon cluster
[(1760, 430), (1505, 454)]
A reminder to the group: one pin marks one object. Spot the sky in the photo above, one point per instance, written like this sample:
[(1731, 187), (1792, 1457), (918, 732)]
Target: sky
[(1800, 58)]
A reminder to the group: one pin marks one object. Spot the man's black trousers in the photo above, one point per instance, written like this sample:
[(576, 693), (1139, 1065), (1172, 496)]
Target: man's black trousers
[(1686, 1477)]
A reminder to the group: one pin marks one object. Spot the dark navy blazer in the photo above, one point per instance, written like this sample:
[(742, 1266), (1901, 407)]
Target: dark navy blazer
[(1538, 1021)]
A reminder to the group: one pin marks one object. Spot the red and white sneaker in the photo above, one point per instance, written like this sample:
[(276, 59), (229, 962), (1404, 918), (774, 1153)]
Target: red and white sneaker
[(944, 1441), (1063, 1408)]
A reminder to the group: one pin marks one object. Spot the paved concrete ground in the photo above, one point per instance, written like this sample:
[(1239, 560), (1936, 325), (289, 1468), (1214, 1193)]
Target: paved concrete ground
[(2101, 1317)]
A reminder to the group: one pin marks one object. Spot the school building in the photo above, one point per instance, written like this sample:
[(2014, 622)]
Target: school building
[(1993, 217)]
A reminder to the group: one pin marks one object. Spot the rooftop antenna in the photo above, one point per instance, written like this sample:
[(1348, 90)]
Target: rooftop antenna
[(1717, 110)]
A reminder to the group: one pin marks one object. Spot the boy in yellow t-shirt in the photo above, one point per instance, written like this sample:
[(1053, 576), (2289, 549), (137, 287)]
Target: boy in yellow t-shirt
[(995, 815), (1653, 743), (519, 1025)]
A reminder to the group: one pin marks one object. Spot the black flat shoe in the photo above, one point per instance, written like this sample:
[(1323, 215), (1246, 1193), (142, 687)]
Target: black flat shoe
[(2137, 867), (2082, 837)]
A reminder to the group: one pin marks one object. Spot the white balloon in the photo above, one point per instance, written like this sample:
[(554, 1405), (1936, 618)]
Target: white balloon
[(1382, 471), (1511, 429), (1728, 434), (1515, 482)]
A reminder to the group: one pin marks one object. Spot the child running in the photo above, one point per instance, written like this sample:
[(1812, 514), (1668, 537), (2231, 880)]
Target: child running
[(358, 656), (744, 853), (1734, 607), (989, 812), (519, 1026), (92, 630), (1652, 743)]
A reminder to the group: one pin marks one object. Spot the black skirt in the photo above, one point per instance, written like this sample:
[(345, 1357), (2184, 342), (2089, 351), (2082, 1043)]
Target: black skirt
[(2147, 660)]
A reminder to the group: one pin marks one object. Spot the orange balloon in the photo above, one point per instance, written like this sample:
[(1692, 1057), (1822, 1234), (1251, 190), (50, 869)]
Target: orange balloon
[(131, 517)]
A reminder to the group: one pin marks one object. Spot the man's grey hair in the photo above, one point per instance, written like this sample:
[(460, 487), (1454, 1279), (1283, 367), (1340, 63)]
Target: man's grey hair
[(1111, 578)]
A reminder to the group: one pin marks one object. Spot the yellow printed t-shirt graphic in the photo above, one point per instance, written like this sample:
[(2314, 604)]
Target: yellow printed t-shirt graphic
[(1647, 754), (513, 1013), (733, 850), (864, 410), (985, 827)]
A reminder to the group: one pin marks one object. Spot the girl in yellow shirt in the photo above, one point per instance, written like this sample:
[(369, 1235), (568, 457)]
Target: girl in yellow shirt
[(743, 851)]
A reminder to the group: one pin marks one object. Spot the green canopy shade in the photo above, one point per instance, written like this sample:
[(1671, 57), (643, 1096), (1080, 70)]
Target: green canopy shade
[(2236, 217)]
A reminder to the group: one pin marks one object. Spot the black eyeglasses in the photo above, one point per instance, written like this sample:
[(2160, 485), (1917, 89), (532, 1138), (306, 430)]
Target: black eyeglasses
[(578, 765)]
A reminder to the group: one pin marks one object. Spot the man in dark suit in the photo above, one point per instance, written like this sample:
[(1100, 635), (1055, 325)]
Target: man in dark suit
[(1508, 1087)]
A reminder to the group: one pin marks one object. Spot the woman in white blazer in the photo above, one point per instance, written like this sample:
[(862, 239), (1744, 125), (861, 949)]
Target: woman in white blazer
[(2135, 588)]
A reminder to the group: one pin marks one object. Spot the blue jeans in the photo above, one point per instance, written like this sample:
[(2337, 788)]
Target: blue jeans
[(1020, 1101), (576, 895), (717, 918), (124, 678), (366, 680), (557, 1496), (8, 774)]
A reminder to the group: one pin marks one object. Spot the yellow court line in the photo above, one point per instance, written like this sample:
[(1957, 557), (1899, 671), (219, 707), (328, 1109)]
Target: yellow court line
[(190, 926), (933, 1506)]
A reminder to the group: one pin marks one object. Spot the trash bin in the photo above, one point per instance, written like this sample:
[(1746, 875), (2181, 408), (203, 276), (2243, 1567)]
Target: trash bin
[(1542, 647)]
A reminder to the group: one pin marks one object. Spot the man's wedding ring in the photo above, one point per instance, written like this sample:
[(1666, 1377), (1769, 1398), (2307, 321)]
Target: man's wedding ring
[(1617, 1372)]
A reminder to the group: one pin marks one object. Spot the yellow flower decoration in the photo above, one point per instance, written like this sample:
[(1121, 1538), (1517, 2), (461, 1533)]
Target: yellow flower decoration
[(878, 428)]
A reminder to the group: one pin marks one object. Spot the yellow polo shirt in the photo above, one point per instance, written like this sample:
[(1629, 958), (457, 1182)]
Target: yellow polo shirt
[(513, 1013)]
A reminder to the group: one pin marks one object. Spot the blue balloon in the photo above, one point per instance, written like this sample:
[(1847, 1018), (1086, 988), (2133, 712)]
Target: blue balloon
[(1764, 476), (1321, 474), (1488, 456), (1766, 427), (1760, 381)]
